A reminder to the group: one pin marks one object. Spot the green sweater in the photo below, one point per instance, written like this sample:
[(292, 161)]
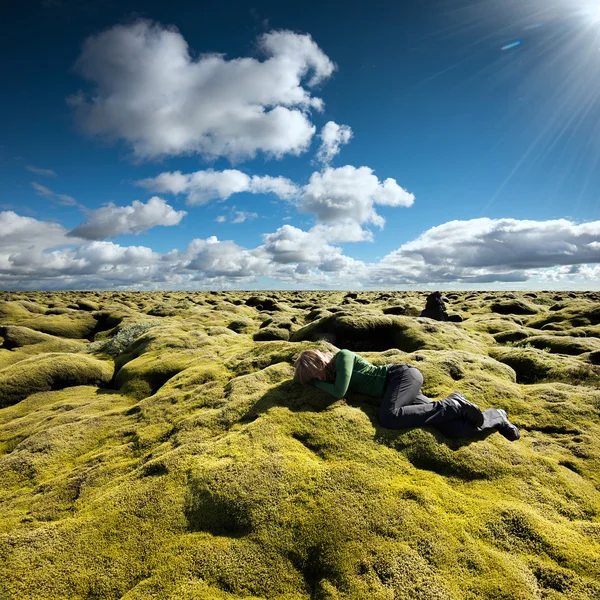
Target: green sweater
[(354, 373)]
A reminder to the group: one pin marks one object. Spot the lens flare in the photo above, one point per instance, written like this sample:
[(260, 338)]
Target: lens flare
[(542, 59), (513, 45)]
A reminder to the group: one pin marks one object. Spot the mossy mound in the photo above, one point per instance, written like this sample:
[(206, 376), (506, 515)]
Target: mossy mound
[(211, 474), (533, 366), (561, 344), (219, 330), (75, 325), (272, 333), (492, 324), (33, 307), (398, 309), (85, 304), (144, 375), (514, 307), (579, 313), (50, 372), (368, 332), (486, 381), (17, 337), (241, 326)]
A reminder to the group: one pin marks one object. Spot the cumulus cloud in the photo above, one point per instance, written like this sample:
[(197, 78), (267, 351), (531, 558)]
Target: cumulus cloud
[(18, 232), (46, 192), (350, 194), (492, 250), (343, 231), (150, 92), (332, 137), (507, 244), (308, 249), (38, 171), (203, 186), (213, 259), (111, 221), (501, 252)]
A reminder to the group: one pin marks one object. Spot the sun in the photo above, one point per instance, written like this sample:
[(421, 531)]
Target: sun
[(591, 11)]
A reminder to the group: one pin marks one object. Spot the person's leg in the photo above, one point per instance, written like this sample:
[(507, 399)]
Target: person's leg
[(403, 405), (455, 428), (493, 420)]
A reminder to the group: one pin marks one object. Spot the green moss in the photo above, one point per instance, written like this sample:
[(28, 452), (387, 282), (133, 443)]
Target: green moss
[(241, 326), (122, 340), (533, 366), (575, 314), (366, 332), (270, 334), (561, 344), (86, 304), (219, 330), (211, 474), (514, 307), (78, 326), (18, 337), (49, 372), (144, 375), (33, 307)]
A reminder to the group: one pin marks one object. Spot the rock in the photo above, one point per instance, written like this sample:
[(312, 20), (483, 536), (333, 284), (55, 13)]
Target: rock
[(435, 308)]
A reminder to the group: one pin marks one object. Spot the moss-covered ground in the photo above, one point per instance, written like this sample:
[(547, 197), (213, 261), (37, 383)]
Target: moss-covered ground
[(154, 446)]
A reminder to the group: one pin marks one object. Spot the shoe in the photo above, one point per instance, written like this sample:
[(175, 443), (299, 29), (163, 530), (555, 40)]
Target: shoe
[(470, 411), (507, 429)]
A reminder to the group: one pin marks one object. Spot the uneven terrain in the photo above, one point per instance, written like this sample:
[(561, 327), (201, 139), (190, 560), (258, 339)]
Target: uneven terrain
[(155, 446)]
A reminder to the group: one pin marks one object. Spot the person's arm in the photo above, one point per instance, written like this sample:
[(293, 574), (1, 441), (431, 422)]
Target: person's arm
[(344, 363)]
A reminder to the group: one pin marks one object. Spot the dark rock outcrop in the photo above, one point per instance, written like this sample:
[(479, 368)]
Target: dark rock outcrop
[(435, 307)]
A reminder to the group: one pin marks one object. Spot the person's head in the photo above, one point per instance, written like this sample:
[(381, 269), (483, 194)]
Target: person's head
[(313, 364)]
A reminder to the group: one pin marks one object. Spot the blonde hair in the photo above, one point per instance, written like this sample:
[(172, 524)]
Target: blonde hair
[(312, 362)]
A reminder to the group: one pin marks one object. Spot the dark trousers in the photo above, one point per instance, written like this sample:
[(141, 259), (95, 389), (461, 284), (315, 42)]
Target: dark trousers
[(404, 405)]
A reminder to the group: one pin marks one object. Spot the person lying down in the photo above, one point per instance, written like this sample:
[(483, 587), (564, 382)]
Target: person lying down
[(402, 402)]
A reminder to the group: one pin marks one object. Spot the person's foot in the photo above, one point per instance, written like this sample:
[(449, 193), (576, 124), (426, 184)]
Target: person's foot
[(507, 429), (470, 411)]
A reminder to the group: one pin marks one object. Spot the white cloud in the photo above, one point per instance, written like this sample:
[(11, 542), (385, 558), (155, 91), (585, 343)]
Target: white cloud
[(282, 187), (221, 219), (332, 137), (212, 259), (62, 199), (150, 92), (242, 216), (493, 250), (17, 233), (344, 231), (292, 245), (203, 186), (478, 253), (112, 220), (39, 171), (507, 244), (585, 273), (349, 194)]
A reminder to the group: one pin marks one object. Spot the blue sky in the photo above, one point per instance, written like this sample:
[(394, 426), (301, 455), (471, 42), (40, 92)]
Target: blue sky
[(329, 145)]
